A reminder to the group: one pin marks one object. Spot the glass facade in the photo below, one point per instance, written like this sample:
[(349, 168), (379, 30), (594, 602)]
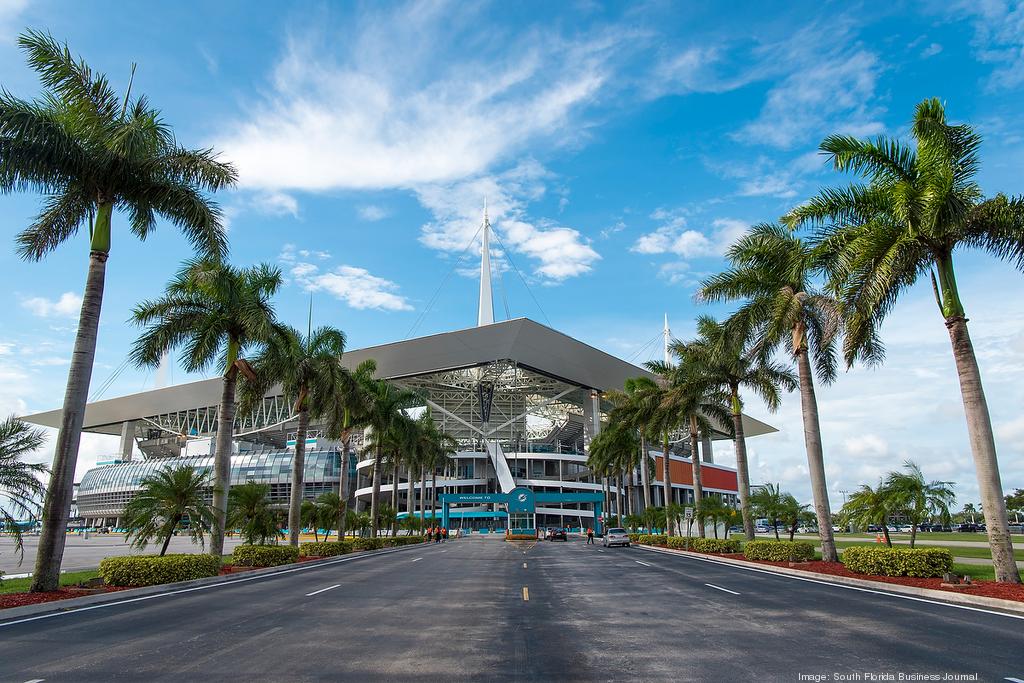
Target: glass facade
[(106, 490)]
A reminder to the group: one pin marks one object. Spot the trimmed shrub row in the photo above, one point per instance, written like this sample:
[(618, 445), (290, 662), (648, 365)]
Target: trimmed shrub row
[(150, 570), (264, 555), (325, 548), (884, 561), (779, 551), (649, 539), (705, 545)]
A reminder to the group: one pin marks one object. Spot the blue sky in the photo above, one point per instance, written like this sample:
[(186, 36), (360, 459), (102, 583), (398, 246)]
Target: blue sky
[(621, 147)]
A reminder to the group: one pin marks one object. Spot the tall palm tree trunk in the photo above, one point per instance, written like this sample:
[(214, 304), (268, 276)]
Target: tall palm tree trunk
[(666, 483), (423, 495), (343, 485), (222, 462), (698, 484), (742, 468), (375, 492), (410, 493), (815, 458), (645, 473), (618, 497), (983, 448), (57, 505), (394, 499), (433, 494), (167, 541), (298, 470)]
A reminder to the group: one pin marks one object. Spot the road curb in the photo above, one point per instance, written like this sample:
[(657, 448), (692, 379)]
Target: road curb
[(72, 604), (1011, 606)]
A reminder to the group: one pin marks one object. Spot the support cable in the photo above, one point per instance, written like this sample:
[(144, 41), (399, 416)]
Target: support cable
[(508, 255), (444, 280)]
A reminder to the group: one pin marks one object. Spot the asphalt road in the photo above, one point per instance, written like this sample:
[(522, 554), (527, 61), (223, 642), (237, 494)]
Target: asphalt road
[(479, 610)]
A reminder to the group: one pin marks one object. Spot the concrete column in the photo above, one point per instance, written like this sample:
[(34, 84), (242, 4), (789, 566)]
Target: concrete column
[(127, 440), (707, 451), (591, 419)]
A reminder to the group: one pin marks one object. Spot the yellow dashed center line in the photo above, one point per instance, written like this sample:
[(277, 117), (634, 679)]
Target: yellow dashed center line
[(526, 593)]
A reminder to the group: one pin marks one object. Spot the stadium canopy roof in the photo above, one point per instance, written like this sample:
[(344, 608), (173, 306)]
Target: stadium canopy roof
[(521, 340)]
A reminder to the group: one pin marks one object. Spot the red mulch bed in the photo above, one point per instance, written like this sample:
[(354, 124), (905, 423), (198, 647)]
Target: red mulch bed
[(988, 589), (22, 599)]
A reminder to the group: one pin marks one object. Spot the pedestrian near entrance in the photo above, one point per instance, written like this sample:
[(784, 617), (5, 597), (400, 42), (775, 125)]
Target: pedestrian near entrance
[(590, 536), (444, 534)]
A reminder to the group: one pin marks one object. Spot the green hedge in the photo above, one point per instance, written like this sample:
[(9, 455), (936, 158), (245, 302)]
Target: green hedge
[(150, 570), (264, 555), (705, 545), (325, 548), (649, 539), (779, 551), (403, 540), (368, 543), (884, 561)]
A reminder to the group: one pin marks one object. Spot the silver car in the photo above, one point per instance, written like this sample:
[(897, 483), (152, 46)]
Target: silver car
[(615, 536)]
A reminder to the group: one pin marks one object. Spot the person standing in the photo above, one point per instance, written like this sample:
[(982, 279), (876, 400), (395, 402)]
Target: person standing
[(590, 536)]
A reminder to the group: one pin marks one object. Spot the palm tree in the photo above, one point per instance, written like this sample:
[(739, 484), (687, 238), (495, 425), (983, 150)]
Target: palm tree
[(439, 457), (216, 311), (625, 409), (714, 508), (612, 452), (165, 499), (309, 516), (94, 153), (918, 499), (387, 517), (330, 508), (695, 397), (643, 406), (312, 378), (384, 405), (20, 487), (969, 510), (869, 505), (878, 239), (350, 410), (774, 270), (249, 510), (792, 513), (728, 355), (768, 501)]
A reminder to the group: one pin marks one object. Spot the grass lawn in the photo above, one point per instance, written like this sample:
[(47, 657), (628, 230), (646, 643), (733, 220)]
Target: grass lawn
[(66, 579)]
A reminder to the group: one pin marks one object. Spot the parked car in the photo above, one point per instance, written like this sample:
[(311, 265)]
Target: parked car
[(968, 528), (558, 535), (905, 528), (874, 529), (762, 530), (615, 536)]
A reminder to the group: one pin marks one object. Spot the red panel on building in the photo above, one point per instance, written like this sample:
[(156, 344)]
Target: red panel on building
[(711, 477)]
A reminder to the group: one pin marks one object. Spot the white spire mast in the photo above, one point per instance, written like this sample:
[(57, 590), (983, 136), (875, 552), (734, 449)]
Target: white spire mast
[(667, 334), (485, 310)]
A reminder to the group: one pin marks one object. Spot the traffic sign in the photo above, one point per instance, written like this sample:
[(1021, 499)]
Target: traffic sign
[(689, 513)]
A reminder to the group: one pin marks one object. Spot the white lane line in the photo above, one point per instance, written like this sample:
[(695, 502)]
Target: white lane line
[(40, 680), (599, 550), (417, 559), (1008, 678), (323, 590), (643, 563), (838, 585), (444, 551), (526, 594), (719, 588), (303, 568)]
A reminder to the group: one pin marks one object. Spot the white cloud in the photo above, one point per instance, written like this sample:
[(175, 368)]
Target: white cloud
[(998, 40), (931, 51), (357, 287), (10, 10), (561, 252), (675, 237), (276, 204), (372, 212), (360, 113), (823, 81), (67, 306)]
